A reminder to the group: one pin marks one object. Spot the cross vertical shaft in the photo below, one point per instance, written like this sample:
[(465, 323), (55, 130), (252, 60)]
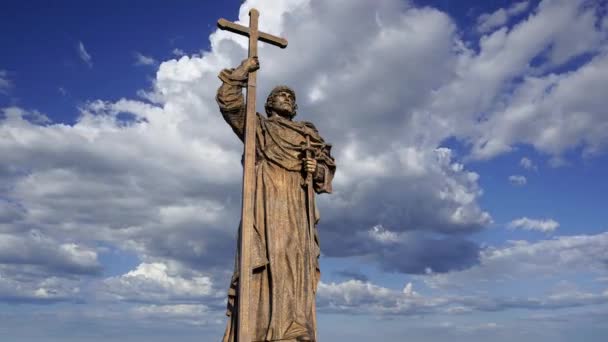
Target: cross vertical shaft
[(244, 311), (247, 213)]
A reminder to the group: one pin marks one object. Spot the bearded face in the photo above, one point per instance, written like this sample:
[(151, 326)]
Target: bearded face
[(282, 102)]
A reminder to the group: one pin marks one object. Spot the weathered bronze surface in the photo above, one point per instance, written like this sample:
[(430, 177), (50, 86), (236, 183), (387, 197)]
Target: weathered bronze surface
[(289, 162)]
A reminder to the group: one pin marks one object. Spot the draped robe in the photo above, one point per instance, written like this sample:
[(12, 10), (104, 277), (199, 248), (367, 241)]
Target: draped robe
[(285, 253)]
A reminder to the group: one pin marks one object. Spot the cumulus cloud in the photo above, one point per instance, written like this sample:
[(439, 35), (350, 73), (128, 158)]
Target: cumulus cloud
[(84, 55), (518, 180), (545, 226), (159, 283), (390, 171), (488, 21), (143, 60), (391, 217), (161, 178), (512, 91), (5, 83), (565, 115), (60, 181)]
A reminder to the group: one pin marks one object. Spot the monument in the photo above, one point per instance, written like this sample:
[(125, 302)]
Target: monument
[(285, 163)]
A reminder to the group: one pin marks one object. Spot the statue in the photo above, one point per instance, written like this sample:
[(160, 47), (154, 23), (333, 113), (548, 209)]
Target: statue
[(291, 162)]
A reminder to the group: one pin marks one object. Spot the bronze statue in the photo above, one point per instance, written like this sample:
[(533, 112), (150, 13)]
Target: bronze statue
[(291, 161)]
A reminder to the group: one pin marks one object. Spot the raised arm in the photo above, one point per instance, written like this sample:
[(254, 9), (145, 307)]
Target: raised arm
[(230, 94)]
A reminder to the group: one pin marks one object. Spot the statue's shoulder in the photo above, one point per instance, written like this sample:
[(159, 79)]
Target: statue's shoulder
[(311, 129), (309, 125)]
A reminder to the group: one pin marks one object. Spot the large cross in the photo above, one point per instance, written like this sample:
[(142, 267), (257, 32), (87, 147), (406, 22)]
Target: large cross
[(243, 331)]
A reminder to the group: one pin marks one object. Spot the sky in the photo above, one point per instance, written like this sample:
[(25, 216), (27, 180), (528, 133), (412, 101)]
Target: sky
[(470, 139)]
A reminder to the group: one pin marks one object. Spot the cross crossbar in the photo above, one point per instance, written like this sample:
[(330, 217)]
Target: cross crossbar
[(244, 30)]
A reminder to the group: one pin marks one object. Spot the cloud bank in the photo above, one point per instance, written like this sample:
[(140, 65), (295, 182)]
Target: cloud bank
[(159, 176)]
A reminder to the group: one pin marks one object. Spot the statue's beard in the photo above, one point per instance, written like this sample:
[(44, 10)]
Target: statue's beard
[(285, 110)]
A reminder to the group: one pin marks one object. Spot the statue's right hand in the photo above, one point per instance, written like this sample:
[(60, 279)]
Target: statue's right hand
[(250, 64)]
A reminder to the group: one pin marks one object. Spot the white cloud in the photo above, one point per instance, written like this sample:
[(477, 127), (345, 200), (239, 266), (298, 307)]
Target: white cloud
[(518, 180), (178, 52), (357, 297), (22, 284), (382, 235), (528, 164), (354, 296), (157, 283), (390, 170), (545, 226), (35, 267), (511, 92), (164, 183), (34, 248), (558, 257), (16, 114), (486, 22), (408, 189), (518, 8), (408, 290), (5, 83), (479, 288), (65, 184), (563, 116), (191, 314), (84, 55), (143, 60)]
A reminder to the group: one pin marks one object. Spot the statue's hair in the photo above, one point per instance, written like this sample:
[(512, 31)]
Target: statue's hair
[(275, 92)]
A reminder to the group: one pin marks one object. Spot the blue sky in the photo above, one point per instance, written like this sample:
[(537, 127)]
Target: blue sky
[(470, 139)]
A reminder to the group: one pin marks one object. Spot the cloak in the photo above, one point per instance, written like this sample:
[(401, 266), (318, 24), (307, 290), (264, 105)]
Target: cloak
[(285, 266)]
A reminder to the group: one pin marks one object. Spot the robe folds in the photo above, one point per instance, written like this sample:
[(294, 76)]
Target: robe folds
[(285, 253)]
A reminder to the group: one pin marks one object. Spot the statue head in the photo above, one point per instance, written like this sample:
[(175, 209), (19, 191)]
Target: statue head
[(281, 101)]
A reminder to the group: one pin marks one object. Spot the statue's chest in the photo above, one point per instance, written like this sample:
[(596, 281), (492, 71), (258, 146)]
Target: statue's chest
[(283, 142)]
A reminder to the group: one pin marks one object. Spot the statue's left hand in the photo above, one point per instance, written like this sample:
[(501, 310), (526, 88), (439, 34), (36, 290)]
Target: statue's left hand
[(309, 165)]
